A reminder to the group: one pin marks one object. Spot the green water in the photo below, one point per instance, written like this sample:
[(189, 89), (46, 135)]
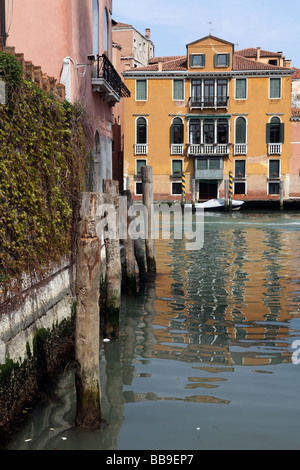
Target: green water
[(204, 360)]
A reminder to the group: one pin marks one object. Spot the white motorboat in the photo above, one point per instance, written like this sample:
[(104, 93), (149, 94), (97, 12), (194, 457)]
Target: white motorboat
[(216, 205)]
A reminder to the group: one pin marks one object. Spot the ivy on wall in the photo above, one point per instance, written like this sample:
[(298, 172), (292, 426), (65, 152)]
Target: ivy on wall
[(42, 163)]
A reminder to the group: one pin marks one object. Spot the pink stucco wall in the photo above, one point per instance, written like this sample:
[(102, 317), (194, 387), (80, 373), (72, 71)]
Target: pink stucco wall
[(47, 32)]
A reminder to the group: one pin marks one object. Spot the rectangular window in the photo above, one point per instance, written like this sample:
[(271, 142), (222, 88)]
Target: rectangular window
[(141, 90), (196, 92), (240, 169), (138, 189), (274, 169), (275, 88), (239, 188), (178, 90), (222, 60), (139, 164), (274, 188), (240, 88), (214, 164), (176, 189), (197, 60), (176, 167), (202, 164)]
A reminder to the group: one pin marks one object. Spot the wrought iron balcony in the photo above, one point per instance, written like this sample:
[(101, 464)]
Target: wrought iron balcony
[(107, 81), (209, 102)]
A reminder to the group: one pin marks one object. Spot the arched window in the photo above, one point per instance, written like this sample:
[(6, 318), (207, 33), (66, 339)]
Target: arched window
[(95, 27), (105, 31), (275, 125), (240, 130), (141, 131), (177, 133)]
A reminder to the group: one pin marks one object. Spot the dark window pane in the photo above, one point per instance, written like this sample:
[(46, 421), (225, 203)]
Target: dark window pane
[(138, 188), (274, 169), (240, 168), (141, 137), (240, 131), (208, 131), (239, 188), (176, 188), (222, 132), (195, 132), (273, 188)]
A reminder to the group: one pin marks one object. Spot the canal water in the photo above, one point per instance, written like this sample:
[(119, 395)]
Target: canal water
[(206, 358)]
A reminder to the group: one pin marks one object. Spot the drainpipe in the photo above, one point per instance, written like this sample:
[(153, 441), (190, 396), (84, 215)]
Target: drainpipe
[(3, 26)]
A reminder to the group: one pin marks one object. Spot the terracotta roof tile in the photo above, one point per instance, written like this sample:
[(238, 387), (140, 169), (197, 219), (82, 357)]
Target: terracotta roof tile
[(241, 63), (252, 52), (296, 73), (179, 63)]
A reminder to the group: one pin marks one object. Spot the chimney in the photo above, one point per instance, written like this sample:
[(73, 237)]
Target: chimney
[(160, 65), (287, 63), (148, 33), (258, 49)]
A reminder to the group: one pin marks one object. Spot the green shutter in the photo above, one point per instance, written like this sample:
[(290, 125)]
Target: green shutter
[(172, 133), (141, 89), (203, 60), (275, 88), (228, 60), (240, 91), (240, 131), (268, 133), (178, 88), (282, 132), (216, 60), (191, 60)]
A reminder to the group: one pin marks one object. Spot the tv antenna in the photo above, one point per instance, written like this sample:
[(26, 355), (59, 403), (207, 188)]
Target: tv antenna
[(211, 28)]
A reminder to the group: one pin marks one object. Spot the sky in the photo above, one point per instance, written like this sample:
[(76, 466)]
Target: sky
[(273, 25)]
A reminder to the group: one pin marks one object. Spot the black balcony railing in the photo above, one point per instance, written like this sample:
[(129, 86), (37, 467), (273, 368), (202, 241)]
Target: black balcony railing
[(209, 102), (106, 70)]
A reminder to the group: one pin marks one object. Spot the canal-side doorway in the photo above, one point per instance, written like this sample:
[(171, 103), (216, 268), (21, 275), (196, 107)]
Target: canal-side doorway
[(208, 190)]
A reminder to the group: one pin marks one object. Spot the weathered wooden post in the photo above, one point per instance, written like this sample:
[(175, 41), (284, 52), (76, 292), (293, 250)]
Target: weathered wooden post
[(128, 244), (147, 187), (281, 195), (138, 248), (87, 330), (113, 265)]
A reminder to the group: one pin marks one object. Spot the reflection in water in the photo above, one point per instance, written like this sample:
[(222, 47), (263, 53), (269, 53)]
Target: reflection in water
[(215, 328)]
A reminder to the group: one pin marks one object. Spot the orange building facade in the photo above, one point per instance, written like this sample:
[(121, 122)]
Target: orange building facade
[(206, 114)]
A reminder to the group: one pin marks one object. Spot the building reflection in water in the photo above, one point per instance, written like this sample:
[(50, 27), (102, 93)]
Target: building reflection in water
[(216, 309)]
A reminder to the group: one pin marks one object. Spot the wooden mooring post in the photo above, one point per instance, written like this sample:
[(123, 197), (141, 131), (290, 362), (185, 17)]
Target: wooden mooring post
[(113, 266), (147, 189), (87, 329), (281, 185), (128, 245)]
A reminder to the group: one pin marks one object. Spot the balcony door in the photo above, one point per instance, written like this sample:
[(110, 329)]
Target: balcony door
[(209, 89)]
